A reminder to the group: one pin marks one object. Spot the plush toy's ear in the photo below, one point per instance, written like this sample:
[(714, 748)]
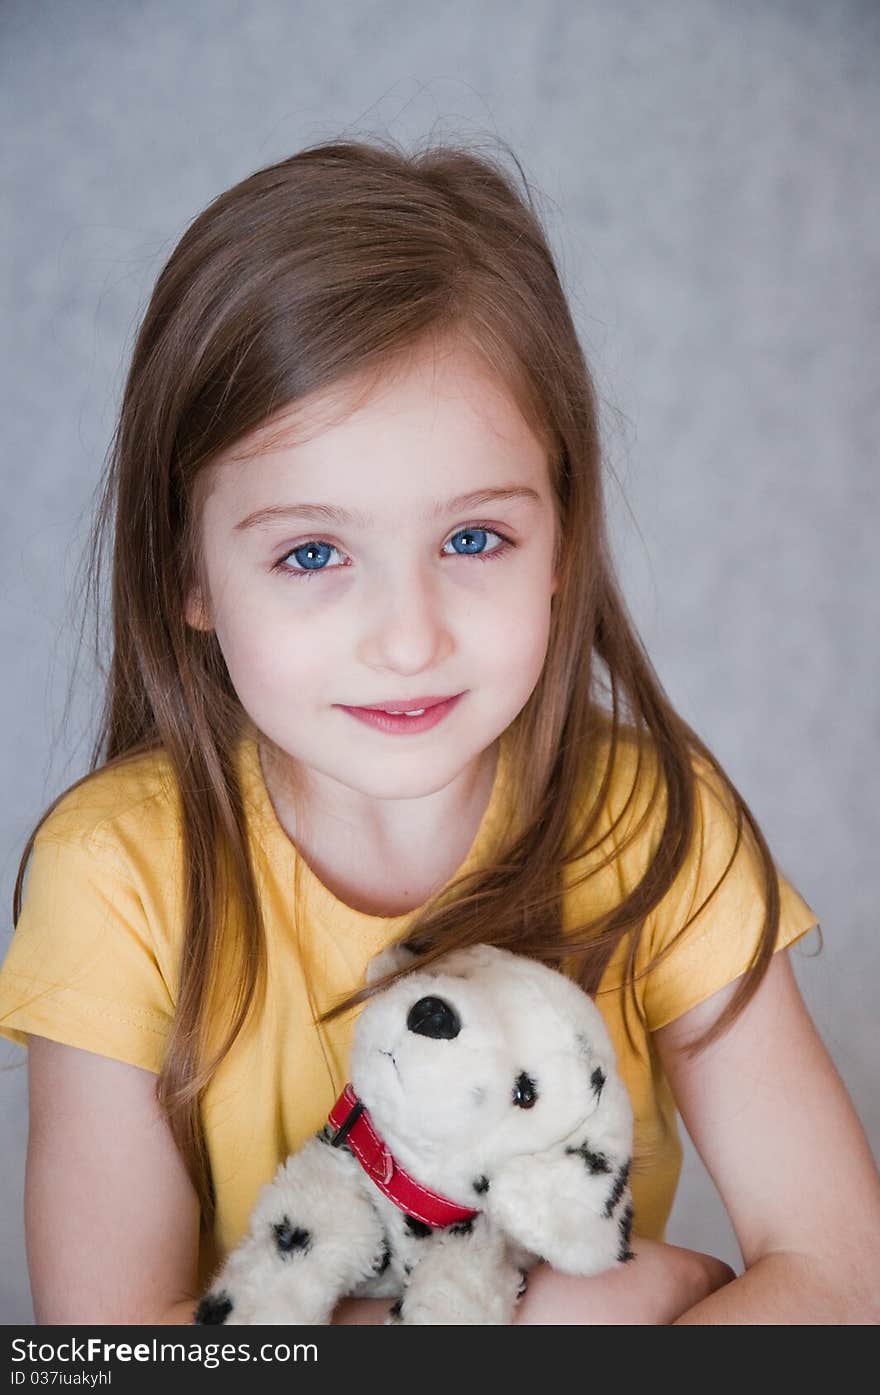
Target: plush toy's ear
[(388, 961), (572, 1204)]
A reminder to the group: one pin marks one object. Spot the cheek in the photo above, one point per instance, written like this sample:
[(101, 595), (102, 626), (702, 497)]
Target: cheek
[(269, 651), (512, 631)]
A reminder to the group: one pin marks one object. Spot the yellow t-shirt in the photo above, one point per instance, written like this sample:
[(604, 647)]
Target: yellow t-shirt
[(94, 960)]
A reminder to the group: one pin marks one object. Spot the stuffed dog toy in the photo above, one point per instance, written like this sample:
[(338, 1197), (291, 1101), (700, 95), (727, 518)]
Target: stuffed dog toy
[(484, 1128)]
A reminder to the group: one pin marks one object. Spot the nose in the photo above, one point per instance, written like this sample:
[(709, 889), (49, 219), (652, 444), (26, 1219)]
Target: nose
[(407, 628), (431, 1017)]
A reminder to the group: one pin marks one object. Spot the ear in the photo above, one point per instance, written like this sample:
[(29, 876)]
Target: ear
[(388, 961), (571, 1204)]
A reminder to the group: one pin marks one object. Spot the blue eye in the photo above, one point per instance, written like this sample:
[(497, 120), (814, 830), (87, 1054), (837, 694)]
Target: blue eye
[(311, 557)]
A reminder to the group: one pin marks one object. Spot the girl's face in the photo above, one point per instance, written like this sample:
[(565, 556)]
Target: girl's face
[(346, 568)]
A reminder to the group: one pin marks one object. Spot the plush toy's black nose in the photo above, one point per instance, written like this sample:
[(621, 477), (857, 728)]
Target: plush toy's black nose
[(431, 1017)]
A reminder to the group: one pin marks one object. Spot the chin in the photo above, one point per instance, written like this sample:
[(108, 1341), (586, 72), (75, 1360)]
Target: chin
[(406, 758), (426, 777)]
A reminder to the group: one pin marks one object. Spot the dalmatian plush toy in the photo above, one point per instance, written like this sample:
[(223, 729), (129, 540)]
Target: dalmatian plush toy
[(484, 1128)]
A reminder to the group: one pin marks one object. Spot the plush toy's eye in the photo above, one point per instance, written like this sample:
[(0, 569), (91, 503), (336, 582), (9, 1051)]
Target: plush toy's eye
[(525, 1091), (431, 1017)]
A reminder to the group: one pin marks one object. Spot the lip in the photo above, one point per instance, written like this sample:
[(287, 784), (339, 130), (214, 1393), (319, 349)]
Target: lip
[(396, 725), (399, 705)]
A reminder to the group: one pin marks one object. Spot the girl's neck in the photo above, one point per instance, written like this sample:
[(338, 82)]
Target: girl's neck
[(391, 866)]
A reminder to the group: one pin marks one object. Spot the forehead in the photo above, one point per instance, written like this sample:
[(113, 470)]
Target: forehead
[(428, 427)]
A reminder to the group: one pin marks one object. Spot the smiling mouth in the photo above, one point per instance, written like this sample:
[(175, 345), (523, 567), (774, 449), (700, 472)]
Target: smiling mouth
[(390, 1055)]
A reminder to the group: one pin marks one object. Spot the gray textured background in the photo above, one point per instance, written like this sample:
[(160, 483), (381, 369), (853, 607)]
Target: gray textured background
[(709, 182)]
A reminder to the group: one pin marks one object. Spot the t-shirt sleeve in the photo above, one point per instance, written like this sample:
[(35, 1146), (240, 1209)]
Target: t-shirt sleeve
[(81, 967), (722, 940)]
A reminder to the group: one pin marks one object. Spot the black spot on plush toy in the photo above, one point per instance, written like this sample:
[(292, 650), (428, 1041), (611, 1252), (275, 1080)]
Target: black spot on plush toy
[(485, 1127)]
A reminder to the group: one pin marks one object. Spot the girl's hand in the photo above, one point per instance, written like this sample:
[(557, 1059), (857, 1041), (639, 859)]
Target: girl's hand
[(655, 1288), (360, 1312)]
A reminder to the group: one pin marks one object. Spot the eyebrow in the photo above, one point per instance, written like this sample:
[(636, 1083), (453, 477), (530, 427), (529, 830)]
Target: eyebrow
[(355, 518)]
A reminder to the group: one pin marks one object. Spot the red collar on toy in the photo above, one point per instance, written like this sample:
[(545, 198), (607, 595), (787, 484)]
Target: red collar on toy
[(353, 1126)]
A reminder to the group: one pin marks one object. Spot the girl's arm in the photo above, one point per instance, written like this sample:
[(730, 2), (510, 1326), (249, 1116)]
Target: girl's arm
[(111, 1217), (654, 1289), (772, 1121)]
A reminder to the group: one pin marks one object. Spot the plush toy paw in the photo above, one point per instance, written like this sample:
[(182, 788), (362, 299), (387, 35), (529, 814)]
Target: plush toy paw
[(462, 1281), (312, 1238)]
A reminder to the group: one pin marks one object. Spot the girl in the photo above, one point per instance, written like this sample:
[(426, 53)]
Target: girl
[(373, 679)]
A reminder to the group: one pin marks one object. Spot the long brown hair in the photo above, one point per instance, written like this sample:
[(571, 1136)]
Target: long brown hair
[(316, 271)]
